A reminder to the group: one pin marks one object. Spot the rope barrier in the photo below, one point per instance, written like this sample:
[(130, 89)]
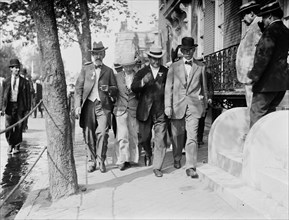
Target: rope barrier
[(14, 189), (21, 120)]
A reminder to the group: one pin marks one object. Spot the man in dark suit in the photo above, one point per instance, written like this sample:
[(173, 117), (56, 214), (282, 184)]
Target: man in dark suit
[(270, 76), (15, 102), (95, 91), (149, 84)]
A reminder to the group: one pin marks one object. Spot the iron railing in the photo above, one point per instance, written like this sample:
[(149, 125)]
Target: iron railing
[(222, 66)]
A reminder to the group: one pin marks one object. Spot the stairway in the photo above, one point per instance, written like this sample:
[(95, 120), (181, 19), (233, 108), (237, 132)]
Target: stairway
[(251, 175)]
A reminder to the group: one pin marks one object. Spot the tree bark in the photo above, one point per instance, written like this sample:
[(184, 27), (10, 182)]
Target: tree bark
[(62, 172)]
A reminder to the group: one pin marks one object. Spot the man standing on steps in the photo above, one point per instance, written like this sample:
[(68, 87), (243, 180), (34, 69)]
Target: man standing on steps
[(269, 75), (15, 101), (95, 92)]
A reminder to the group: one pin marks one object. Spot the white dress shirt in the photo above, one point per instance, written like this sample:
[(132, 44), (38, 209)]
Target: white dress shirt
[(14, 92), (94, 94)]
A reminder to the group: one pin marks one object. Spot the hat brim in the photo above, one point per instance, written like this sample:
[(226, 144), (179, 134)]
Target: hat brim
[(98, 50), (16, 65), (189, 47), (248, 9), (156, 56), (260, 14)]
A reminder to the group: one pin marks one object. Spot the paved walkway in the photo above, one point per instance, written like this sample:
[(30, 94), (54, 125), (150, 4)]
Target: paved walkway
[(131, 194)]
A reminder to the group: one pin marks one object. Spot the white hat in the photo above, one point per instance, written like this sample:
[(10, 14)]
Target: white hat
[(156, 51)]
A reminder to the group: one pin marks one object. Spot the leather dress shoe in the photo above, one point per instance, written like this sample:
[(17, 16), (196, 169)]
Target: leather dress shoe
[(91, 168), (177, 164), (192, 173), (148, 161), (102, 167), (127, 164), (158, 173), (122, 167)]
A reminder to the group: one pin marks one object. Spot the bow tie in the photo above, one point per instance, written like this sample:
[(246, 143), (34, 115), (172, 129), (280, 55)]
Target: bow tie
[(189, 63), (98, 66)]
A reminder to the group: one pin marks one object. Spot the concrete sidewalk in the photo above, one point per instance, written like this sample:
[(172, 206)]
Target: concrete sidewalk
[(131, 194)]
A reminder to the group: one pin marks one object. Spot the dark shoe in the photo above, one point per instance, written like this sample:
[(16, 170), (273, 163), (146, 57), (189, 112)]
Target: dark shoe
[(177, 164), (192, 173), (122, 167), (102, 167), (148, 161), (158, 173), (91, 168), (127, 164), (9, 150)]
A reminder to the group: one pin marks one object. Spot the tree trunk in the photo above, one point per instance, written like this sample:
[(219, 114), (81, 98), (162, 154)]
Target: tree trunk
[(62, 172), (84, 39)]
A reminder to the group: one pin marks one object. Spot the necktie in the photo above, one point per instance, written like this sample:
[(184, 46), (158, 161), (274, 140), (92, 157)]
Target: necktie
[(188, 62)]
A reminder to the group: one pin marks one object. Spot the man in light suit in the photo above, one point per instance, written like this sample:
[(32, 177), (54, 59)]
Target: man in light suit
[(185, 92), (269, 75), (15, 102), (95, 91), (149, 85)]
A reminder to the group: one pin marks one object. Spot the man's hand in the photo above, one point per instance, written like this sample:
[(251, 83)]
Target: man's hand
[(77, 112), (210, 101), (148, 77), (168, 112)]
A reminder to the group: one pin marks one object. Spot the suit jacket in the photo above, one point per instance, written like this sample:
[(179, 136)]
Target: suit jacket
[(151, 95), (182, 92), (126, 99), (270, 72), (85, 83), (22, 98)]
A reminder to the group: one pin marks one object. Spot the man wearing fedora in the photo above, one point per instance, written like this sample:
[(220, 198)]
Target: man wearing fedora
[(247, 47), (15, 102), (149, 85), (95, 92), (185, 92), (269, 75), (125, 113)]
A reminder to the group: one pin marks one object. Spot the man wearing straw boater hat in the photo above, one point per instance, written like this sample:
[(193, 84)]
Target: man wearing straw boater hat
[(149, 85), (185, 93), (15, 101), (269, 75), (125, 113), (95, 91), (247, 47)]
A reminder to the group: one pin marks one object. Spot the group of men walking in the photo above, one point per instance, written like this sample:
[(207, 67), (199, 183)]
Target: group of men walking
[(150, 102)]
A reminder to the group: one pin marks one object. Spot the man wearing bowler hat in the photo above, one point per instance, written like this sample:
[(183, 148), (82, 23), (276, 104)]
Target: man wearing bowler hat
[(15, 102), (269, 75), (185, 92), (95, 92), (149, 85), (247, 47)]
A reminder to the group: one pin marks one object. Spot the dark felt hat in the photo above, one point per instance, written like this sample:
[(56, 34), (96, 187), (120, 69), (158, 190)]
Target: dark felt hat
[(97, 47), (188, 43), (268, 8), (14, 62), (248, 7)]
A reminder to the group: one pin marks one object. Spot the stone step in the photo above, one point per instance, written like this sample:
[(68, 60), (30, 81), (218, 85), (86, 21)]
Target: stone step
[(274, 182), (231, 162), (251, 203)]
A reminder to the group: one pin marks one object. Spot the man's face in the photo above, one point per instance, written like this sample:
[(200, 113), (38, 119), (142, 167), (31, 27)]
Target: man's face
[(98, 57), (155, 62), (129, 69), (266, 20), (248, 18), (188, 53), (15, 70)]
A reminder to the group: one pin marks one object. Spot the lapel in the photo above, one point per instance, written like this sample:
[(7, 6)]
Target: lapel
[(181, 72)]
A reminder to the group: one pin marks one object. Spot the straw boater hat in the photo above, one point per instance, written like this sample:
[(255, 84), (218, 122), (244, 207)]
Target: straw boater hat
[(188, 43), (14, 63), (156, 52), (271, 7), (127, 59), (97, 47), (248, 7)]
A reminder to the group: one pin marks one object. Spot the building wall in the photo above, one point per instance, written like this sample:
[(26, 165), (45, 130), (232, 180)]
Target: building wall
[(209, 29)]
